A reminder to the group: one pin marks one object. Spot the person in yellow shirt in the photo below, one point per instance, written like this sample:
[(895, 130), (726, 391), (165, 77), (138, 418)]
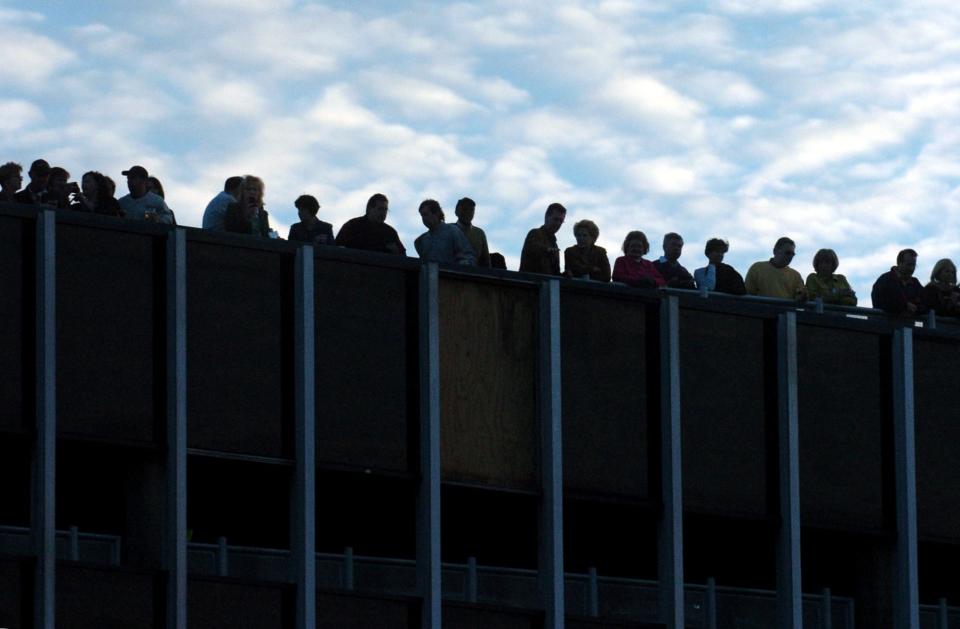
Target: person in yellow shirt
[(774, 277)]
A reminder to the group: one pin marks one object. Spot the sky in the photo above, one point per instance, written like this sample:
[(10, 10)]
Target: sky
[(836, 122)]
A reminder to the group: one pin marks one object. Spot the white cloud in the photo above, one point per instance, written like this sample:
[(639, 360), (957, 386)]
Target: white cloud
[(419, 99), (15, 115), (663, 176), (29, 59)]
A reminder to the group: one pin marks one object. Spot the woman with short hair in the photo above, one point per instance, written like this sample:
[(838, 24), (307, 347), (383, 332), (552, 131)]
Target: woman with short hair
[(631, 268), (829, 286), (585, 260), (942, 294)]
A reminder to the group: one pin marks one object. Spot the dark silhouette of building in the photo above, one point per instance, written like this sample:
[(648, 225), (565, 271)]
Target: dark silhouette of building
[(244, 432)]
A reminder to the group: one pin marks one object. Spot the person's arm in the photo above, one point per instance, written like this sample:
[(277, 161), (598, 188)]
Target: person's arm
[(165, 215), (847, 296), (732, 281), (345, 235), (655, 275), (620, 270), (752, 283), (483, 256), (462, 249), (814, 288), (603, 266)]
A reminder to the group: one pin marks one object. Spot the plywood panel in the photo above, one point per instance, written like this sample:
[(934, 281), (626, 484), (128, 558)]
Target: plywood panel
[(12, 590), (12, 331), (464, 617), (723, 413), (936, 364), (363, 354), (238, 348), (354, 612), (488, 383), (105, 599), (106, 376), (605, 446), (213, 604), (841, 428)]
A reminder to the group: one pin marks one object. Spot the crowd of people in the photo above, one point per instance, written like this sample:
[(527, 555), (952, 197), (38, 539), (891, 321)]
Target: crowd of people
[(239, 208)]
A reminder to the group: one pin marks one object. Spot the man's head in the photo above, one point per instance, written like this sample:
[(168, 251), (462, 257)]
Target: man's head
[(307, 207), (136, 180), (377, 207), (431, 213), (715, 250), (783, 252), (57, 180), (906, 263), (39, 174), (466, 208), (672, 246), (232, 186), (10, 176), (553, 217)]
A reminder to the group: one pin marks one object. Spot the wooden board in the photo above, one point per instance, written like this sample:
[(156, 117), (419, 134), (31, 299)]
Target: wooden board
[(603, 357), (841, 428), (937, 412), (13, 306), (228, 604), (488, 380), (365, 360), (723, 413), (105, 599), (239, 349), (108, 362)]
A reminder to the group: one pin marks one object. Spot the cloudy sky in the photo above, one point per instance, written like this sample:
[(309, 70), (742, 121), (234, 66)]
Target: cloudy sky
[(835, 122)]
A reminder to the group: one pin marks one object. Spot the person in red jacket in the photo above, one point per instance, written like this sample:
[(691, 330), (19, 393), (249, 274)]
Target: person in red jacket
[(631, 268)]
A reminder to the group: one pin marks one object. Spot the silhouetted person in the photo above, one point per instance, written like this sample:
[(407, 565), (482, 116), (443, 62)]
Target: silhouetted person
[(631, 268), (466, 208), (216, 209), (370, 232), (831, 287), (59, 188), (36, 191), (497, 261), (154, 186), (673, 273), (718, 276), (586, 260), (310, 229), (95, 196), (141, 204), (941, 294), (540, 252), (246, 215), (774, 277), (11, 178), (897, 291), (442, 243)]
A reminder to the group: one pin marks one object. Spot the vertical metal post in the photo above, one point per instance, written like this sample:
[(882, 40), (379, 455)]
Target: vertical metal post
[(943, 614), (671, 489), (710, 604), (303, 520), (348, 569), (826, 609), (428, 503), (73, 543), (471, 579), (175, 538), (593, 593), (551, 457), (789, 594), (906, 603), (44, 454), (223, 558)]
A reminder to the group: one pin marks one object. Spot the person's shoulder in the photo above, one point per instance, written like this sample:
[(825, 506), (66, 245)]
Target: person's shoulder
[(600, 249), (813, 278), (570, 249)]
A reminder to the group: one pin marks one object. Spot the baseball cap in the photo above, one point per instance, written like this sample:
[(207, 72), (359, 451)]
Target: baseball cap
[(135, 171)]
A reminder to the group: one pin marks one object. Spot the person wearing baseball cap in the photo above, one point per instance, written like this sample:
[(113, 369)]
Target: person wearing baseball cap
[(142, 204)]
